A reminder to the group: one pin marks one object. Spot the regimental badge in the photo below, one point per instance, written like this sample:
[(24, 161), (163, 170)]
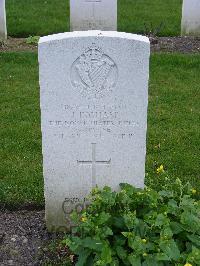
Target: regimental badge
[(94, 73)]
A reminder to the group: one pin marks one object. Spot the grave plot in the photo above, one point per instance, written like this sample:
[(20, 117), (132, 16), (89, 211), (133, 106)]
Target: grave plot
[(86, 155)]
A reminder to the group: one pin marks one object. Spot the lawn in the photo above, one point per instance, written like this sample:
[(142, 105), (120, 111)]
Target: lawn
[(173, 124), (42, 17), (20, 143)]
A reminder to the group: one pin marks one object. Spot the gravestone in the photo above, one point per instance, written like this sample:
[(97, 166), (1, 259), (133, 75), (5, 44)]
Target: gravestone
[(94, 96), (191, 18), (3, 30), (93, 15)]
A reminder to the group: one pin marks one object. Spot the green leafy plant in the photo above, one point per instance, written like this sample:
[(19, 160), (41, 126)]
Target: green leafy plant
[(138, 227), (32, 39)]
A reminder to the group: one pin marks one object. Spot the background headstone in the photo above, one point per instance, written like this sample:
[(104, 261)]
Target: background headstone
[(94, 96), (191, 18), (3, 29), (93, 15)]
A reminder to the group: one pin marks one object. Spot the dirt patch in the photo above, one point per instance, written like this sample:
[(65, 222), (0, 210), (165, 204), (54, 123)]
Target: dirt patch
[(17, 45), (24, 238), (175, 44), (158, 44)]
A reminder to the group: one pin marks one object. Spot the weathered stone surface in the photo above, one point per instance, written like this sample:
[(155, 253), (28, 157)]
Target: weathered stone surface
[(191, 18), (94, 95), (93, 15), (3, 29)]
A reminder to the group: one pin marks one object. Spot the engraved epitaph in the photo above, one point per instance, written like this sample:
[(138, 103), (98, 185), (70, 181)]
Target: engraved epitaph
[(93, 15), (94, 95), (3, 29)]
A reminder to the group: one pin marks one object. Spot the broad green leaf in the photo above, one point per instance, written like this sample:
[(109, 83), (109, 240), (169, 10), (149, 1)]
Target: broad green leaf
[(136, 244), (82, 257), (107, 231), (191, 221), (151, 261), (106, 254), (134, 260), (165, 193), (195, 239), (161, 220), (176, 227), (162, 257), (118, 222), (90, 260), (103, 218), (172, 206), (119, 240), (93, 244), (170, 248), (121, 253), (166, 232), (141, 228)]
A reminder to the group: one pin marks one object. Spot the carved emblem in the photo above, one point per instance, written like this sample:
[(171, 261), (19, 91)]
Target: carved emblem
[(94, 73)]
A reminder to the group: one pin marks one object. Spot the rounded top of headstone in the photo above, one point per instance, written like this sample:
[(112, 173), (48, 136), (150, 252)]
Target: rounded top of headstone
[(93, 33)]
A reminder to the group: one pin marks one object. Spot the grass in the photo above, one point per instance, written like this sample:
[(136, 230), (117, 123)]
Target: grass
[(20, 143), (173, 124), (173, 119), (134, 14), (42, 17)]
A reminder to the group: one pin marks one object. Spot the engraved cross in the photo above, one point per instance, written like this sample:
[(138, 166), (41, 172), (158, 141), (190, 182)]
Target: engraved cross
[(93, 163), (93, 2)]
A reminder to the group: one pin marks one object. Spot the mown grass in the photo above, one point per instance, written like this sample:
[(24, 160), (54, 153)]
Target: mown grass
[(173, 124), (20, 142), (173, 118), (42, 17)]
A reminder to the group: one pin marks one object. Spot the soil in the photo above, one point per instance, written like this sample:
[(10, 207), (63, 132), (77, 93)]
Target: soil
[(158, 44), (16, 45), (24, 239), (21, 236), (175, 44)]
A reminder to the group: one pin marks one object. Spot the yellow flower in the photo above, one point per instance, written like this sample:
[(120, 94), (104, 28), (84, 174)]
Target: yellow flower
[(83, 219), (193, 191), (145, 254), (160, 169), (188, 264), (144, 241), (95, 190)]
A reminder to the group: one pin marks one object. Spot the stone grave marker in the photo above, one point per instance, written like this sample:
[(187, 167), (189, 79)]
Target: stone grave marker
[(94, 96), (3, 29), (93, 15), (191, 18)]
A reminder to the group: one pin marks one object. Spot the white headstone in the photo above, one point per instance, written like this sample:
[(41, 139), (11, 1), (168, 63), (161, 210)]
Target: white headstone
[(3, 29), (93, 15), (94, 96), (191, 18)]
